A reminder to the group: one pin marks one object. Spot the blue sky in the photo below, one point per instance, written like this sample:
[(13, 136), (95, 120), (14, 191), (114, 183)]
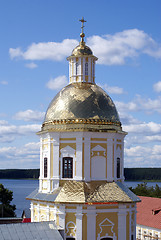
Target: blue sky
[(35, 39)]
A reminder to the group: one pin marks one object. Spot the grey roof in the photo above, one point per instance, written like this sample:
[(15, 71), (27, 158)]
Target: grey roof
[(49, 197), (30, 231)]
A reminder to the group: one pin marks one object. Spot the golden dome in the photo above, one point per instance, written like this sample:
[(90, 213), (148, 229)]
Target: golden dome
[(82, 106), (81, 49)]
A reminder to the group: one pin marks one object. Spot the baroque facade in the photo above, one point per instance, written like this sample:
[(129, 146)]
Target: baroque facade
[(81, 184)]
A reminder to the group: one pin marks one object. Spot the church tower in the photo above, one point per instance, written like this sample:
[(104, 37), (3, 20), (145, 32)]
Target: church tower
[(81, 184)]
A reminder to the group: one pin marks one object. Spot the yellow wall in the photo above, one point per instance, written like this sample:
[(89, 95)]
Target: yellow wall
[(106, 229), (84, 227), (70, 217)]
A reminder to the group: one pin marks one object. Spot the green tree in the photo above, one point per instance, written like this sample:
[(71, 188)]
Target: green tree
[(143, 190), (6, 209)]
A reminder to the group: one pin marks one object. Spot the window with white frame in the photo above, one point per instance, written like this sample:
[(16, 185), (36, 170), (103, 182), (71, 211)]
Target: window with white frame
[(67, 167)]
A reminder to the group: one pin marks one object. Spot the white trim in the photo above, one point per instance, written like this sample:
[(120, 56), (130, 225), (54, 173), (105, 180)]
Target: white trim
[(79, 216), (67, 152), (91, 224)]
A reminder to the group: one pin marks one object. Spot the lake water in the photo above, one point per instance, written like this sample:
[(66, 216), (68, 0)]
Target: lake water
[(22, 188)]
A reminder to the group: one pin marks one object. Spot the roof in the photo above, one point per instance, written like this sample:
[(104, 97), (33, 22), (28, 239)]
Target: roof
[(84, 193), (28, 231), (81, 103), (149, 212)]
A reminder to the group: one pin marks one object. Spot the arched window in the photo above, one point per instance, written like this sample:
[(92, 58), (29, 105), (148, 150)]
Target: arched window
[(67, 167), (118, 168), (86, 69), (107, 238), (45, 167)]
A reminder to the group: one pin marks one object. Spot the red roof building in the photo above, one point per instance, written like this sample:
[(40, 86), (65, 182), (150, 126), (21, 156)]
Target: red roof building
[(149, 218)]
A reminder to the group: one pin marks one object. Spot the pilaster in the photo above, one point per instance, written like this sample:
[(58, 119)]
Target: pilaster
[(79, 216), (87, 159), (109, 159), (78, 163), (122, 222), (32, 212), (91, 223), (55, 161), (61, 214)]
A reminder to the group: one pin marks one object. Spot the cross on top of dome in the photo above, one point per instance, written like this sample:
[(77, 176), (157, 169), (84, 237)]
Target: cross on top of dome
[(82, 35)]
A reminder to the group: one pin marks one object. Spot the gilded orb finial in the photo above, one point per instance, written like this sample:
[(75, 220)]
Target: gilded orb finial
[(82, 35)]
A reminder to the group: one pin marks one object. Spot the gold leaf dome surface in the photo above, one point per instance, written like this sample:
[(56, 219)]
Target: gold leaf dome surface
[(81, 49), (84, 103)]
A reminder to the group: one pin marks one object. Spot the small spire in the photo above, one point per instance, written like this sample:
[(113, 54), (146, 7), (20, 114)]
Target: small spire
[(82, 35)]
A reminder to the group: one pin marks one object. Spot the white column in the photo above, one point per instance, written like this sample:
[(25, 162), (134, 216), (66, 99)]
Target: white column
[(61, 214), (38, 212), (83, 69), (79, 69), (41, 166), (74, 72), (87, 159), (89, 70), (48, 213), (135, 222), (109, 159), (32, 211), (91, 223), (56, 161), (78, 158), (122, 222), (130, 225), (49, 165), (79, 216)]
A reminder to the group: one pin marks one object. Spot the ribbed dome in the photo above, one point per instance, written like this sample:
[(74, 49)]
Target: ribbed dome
[(82, 103)]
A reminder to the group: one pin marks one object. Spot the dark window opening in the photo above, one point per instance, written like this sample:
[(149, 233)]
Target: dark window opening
[(70, 238), (118, 167), (45, 167), (67, 167), (107, 238)]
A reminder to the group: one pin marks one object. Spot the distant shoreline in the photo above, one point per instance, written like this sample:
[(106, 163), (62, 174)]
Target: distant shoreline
[(131, 174)]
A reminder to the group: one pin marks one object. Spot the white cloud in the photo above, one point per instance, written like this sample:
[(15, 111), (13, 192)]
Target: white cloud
[(147, 105), (110, 49), (9, 132), (31, 65), (112, 89), (146, 128), (157, 86), (116, 49), (15, 53), (4, 82), (141, 156), (30, 115), (57, 83), (26, 156), (45, 51)]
